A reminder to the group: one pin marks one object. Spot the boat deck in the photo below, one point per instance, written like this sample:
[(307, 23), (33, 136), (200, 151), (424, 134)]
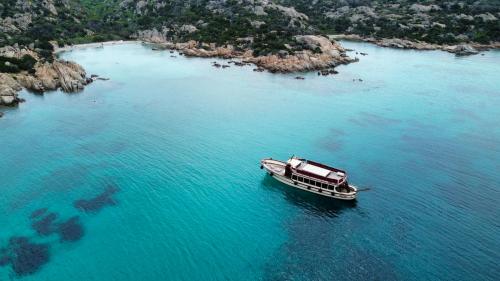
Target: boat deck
[(276, 167)]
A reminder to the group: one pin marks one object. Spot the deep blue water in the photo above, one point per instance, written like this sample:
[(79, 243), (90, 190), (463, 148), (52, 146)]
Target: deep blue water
[(154, 174)]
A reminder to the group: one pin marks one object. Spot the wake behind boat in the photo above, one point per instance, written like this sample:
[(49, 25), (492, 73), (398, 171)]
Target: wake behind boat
[(311, 176)]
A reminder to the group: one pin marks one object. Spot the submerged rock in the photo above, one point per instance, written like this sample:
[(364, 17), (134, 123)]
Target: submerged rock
[(71, 230), (24, 256), (95, 204)]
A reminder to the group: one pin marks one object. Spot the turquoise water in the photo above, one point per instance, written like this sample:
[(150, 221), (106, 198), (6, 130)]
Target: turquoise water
[(154, 174)]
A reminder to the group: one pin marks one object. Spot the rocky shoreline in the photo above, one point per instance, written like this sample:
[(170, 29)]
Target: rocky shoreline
[(44, 76), (317, 53), (462, 49)]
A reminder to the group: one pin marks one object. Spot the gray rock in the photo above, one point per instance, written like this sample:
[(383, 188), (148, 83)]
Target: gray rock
[(7, 100), (423, 8), (464, 50), (8, 90), (257, 23), (487, 17), (259, 11), (188, 28), (282, 53)]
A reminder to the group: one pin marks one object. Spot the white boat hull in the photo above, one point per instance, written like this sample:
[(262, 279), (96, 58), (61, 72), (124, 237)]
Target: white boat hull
[(275, 172)]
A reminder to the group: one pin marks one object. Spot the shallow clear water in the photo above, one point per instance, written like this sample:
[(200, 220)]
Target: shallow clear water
[(165, 157)]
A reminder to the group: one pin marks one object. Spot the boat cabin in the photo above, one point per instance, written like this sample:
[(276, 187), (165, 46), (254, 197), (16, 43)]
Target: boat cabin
[(311, 176), (315, 174)]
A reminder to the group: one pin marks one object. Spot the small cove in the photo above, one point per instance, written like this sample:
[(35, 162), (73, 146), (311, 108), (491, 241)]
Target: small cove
[(166, 153)]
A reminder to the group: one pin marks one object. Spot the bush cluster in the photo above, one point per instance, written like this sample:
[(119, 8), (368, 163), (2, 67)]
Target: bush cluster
[(15, 65)]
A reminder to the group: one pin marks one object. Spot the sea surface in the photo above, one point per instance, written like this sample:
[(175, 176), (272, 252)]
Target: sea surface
[(154, 174)]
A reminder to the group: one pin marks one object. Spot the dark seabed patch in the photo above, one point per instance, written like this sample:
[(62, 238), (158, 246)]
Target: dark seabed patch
[(45, 225), (97, 203), (115, 147), (366, 119), (481, 141), (333, 141), (309, 254), (330, 144), (4, 257), (366, 265), (461, 115), (38, 213), (59, 178), (55, 181), (24, 256), (71, 230)]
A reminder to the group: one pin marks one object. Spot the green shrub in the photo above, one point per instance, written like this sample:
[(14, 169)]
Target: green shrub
[(14, 65), (27, 62)]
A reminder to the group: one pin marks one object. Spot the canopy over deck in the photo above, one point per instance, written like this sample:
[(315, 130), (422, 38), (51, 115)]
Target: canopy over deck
[(317, 169)]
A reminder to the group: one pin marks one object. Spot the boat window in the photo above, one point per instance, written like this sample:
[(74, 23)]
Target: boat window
[(318, 184), (294, 177), (330, 187), (324, 185), (306, 180), (301, 179)]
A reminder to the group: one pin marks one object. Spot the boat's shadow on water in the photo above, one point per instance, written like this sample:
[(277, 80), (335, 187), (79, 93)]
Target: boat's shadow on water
[(314, 203)]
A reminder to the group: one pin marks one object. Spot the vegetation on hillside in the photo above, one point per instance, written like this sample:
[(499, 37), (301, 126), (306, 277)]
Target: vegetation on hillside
[(269, 26)]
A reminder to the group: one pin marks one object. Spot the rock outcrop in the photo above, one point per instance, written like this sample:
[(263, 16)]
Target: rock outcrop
[(152, 35), (8, 90), (463, 50), (459, 50), (68, 76), (17, 52), (44, 76), (316, 53)]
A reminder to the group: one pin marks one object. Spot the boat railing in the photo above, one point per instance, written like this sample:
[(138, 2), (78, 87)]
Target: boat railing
[(318, 177)]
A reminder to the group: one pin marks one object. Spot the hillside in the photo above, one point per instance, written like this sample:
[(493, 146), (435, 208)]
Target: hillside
[(268, 24)]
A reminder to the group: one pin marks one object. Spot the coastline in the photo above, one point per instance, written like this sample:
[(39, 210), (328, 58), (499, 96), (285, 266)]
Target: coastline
[(331, 55), (284, 64), (67, 48), (459, 49), (71, 77)]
